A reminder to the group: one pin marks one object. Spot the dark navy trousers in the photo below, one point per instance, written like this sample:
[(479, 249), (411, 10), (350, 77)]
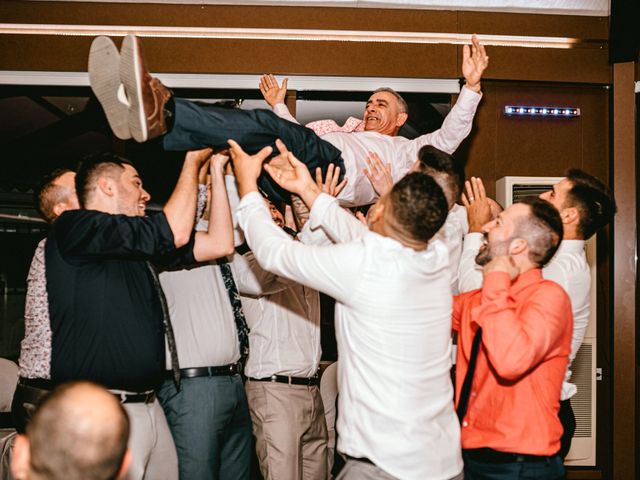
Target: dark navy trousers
[(198, 126)]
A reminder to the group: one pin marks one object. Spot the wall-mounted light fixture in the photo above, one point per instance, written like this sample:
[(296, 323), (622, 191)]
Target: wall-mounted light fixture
[(529, 111)]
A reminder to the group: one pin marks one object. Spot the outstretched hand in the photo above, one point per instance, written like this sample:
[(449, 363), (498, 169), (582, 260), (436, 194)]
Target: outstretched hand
[(477, 204), (247, 167), (379, 174), (289, 172), (271, 91), (330, 184), (474, 62), (292, 175)]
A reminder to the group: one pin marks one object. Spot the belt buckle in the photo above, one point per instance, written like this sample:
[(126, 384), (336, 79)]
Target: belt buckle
[(274, 378)]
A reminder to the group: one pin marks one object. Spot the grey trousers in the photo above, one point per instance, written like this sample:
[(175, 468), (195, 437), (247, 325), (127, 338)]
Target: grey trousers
[(356, 470), (211, 426)]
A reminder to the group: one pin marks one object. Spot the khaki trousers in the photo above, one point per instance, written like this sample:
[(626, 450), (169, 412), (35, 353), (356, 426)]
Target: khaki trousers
[(290, 430)]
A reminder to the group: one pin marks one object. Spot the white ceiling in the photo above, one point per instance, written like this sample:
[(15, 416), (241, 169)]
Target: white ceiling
[(556, 7)]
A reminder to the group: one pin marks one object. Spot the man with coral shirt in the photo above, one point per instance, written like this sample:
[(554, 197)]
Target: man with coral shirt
[(513, 347)]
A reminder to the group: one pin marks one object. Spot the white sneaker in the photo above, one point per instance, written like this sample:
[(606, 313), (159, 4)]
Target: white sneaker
[(104, 77)]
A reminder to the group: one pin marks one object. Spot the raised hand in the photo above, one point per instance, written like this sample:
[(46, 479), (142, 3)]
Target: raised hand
[(474, 62), (271, 91), (477, 204), (379, 174), (330, 184), (247, 167), (199, 157), (218, 163), (289, 172)]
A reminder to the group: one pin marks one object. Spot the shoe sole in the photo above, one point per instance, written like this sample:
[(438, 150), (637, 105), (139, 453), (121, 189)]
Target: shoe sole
[(104, 78), (131, 69)]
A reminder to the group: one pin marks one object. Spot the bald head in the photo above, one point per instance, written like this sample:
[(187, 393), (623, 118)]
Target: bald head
[(80, 431)]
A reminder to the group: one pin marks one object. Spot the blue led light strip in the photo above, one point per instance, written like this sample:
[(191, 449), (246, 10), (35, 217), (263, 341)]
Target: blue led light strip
[(529, 111)]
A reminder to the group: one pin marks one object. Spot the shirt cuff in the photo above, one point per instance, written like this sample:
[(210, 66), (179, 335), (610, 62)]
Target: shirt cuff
[(323, 202), (472, 241), (281, 108), (469, 95), (234, 201), (251, 198)]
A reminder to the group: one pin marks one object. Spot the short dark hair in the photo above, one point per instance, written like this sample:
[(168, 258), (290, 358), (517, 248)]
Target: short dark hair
[(593, 200), (65, 447), (542, 229), (47, 194), (444, 168), (418, 206), (93, 167)]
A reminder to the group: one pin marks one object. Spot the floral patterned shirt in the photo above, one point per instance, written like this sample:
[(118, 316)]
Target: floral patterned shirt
[(35, 351)]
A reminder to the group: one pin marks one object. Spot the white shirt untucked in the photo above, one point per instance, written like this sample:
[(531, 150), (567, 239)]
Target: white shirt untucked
[(393, 327)]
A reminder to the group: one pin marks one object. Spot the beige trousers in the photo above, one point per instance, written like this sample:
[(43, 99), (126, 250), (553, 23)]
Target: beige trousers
[(290, 430)]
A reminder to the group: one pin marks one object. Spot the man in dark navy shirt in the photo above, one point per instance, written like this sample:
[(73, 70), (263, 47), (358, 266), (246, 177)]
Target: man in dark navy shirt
[(105, 305)]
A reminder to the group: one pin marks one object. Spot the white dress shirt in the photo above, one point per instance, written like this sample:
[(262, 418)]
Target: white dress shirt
[(393, 327), (400, 152), (201, 316), (455, 227), (284, 322), (568, 268)]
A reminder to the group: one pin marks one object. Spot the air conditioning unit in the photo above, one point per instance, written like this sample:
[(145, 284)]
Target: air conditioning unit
[(583, 445)]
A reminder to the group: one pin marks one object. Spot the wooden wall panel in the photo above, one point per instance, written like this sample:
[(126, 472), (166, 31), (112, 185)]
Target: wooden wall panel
[(587, 63), (555, 65), (502, 145), (529, 24), (229, 16)]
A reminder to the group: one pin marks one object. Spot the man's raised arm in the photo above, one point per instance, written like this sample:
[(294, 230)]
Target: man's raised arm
[(457, 124), (180, 209), (275, 94)]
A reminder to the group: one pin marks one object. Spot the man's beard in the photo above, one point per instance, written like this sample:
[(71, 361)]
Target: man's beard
[(488, 251)]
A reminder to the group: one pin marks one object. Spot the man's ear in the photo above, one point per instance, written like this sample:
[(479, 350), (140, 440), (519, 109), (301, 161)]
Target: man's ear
[(21, 457), (106, 185), (518, 246), (376, 215), (402, 119), (569, 215), (59, 208), (124, 466)]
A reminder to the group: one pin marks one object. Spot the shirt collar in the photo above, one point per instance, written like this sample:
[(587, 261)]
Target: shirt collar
[(571, 246), (525, 279)]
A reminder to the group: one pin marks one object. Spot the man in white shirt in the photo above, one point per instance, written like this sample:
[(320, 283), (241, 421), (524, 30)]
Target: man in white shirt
[(393, 315), (282, 371), (586, 205), (208, 416), (450, 176), (150, 110)]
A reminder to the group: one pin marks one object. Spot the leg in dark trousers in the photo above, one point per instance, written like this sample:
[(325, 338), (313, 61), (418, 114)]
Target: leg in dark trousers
[(568, 420), (196, 127)]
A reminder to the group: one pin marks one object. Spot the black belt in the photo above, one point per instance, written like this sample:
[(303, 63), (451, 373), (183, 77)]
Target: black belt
[(144, 397), (315, 380), (489, 455), (41, 383), (231, 369)]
